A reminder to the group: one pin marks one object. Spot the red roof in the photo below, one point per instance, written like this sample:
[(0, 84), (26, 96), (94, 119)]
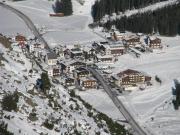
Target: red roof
[(20, 38), (128, 72)]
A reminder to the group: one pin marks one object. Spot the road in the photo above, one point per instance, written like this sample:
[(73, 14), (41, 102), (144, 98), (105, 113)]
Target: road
[(138, 130), (29, 23)]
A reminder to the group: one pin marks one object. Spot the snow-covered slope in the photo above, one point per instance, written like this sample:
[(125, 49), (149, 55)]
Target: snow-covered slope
[(69, 114), (63, 29), (9, 28)]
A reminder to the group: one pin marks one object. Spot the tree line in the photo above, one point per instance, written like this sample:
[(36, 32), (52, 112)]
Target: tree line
[(165, 21), (63, 6), (176, 92), (103, 7)]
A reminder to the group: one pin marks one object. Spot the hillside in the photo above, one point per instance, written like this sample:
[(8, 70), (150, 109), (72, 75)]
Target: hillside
[(61, 111), (106, 7), (133, 18)]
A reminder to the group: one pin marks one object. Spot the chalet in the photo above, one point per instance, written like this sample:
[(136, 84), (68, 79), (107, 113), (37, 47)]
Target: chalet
[(69, 81), (76, 53), (20, 38), (56, 71), (59, 51), (116, 35), (99, 48), (53, 71), (81, 72), (89, 52), (88, 82), (155, 43), (36, 47), (115, 50), (105, 58), (51, 59), (67, 53), (131, 78), (102, 66), (69, 66), (132, 41)]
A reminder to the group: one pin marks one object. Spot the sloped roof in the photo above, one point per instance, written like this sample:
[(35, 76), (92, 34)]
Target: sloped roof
[(128, 72), (51, 55)]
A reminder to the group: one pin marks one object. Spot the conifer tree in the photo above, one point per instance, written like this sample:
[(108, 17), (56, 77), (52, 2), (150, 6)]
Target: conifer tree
[(63, 6)]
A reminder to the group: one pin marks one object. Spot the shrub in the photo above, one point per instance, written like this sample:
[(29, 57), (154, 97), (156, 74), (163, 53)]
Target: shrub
[(33, 117), (3, 129), (46, 85), (5, 42), (48, 125), (76, 132), (72, 93), (9, 101), (176, 101), (158, 79), (63, 6), (114, 127)]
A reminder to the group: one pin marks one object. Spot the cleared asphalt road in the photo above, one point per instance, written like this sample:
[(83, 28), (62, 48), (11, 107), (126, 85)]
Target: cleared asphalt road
[(29, 23), (138, 130)]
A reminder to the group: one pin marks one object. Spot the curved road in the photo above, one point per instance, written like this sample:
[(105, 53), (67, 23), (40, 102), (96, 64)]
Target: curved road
[(137, 128), (29, 23)]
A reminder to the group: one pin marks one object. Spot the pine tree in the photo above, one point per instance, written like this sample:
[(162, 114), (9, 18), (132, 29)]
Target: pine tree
[(58, 7), (9, 101), (165, 21), (67, 7), (46, 85), (3, 129), (102, 7), (63, 6)]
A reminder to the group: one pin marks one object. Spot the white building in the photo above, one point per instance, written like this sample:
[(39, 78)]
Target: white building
[(115, 50), (36, 47), (53, 71), (69, 66), (51, 59), (106, 58)]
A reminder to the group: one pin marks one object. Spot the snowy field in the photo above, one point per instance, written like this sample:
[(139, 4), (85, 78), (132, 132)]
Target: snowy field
[(60, 29), (156, 101), (7, 27), (100, 100)]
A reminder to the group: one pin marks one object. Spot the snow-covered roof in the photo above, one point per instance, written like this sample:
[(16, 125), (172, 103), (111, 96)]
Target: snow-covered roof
[(104, 56), (114, 46), (87, 78)]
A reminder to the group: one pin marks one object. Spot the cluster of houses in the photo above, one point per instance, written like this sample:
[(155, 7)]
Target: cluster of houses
[(70, 63), (74, 72), (133, 40)]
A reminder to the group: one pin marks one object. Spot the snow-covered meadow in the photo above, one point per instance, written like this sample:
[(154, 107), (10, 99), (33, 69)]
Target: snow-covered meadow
[(9, 27), (61, 30)]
